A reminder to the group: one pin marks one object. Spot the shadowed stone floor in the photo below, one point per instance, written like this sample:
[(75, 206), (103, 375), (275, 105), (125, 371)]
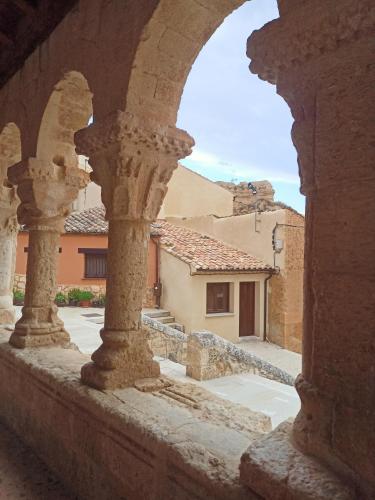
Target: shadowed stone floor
[(23, 475)]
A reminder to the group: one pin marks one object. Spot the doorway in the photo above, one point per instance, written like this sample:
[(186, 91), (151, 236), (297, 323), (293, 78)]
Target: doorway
[(247, 309)]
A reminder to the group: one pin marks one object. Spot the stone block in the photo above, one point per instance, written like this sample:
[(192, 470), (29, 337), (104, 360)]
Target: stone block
[(276, 470)]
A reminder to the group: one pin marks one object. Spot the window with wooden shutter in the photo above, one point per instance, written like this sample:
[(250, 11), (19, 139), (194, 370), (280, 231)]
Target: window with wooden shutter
[(95, 262), (217, 298)]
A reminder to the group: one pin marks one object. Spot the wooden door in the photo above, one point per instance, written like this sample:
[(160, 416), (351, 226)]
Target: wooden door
[(247, 309)]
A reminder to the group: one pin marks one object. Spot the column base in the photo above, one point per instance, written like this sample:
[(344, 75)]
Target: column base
[(7, 316), (121, 377), (275, 469), (58, 338), (123, 358), (333, 431), (39, 327)]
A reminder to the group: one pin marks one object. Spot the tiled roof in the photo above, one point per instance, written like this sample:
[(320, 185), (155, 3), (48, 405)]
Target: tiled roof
[(205, 254), (92, 221)]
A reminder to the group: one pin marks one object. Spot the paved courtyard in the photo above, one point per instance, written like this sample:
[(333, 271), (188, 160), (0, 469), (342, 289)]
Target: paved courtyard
[(277, 400), (289, 361)]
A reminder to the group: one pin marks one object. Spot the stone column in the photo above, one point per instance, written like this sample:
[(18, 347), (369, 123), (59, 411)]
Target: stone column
[(46, 192), (8, 243), (321, 56), (132, 161)]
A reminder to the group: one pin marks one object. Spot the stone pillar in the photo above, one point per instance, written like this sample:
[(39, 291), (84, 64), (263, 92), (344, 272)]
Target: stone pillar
[(46, 192), (132, 161), (8, 243), (321, 56)]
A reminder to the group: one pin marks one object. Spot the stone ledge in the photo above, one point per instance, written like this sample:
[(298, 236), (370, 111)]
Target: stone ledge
[(276, 470), (210, 356), (181, 442)]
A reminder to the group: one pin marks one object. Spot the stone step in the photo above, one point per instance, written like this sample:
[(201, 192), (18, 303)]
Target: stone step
[(177, 326), (166, 319), (156, 313)]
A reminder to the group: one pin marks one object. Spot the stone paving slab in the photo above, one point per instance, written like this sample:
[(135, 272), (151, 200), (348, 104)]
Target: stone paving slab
[(23, 475), (289, 361)]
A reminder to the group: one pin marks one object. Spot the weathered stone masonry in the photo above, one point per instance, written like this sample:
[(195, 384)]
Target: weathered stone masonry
[(133, 59)]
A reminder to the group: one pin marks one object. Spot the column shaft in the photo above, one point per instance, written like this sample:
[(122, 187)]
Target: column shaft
[(124, 355), (41, 268), (127, 271), (39, 324), (8, 242)]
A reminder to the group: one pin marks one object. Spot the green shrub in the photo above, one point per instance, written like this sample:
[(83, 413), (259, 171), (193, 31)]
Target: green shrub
[(74, 294), (85, 295), (18, 296), (60, 298), (99, 301)]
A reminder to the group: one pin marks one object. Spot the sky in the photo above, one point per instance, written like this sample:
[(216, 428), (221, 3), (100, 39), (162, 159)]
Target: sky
[(240, 125)]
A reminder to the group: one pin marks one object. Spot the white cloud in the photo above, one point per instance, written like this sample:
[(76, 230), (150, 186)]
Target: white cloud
[(216, 168)]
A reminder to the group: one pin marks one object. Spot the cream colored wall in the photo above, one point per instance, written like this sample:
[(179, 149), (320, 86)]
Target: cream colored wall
[(177, 292), (226, 325), (89, 197), (190, 195), (251, 233), (185, 297)]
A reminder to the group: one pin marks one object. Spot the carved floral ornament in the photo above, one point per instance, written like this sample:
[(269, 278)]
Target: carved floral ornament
[(308, 32), (46, 191), (123, 127), (8, 208), (33, 169), (132, 163)]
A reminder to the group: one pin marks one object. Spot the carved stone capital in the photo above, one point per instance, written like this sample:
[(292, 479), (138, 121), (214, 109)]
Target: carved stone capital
[(307, 32), (132, 161), (8, 210), (46, 192)]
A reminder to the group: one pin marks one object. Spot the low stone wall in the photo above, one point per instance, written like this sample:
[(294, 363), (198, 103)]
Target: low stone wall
[(210, 356), (175, 443), (165, 341), (96, 290)]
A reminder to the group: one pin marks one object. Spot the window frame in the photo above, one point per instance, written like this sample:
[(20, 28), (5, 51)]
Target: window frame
[(210, 289), (97, 253)]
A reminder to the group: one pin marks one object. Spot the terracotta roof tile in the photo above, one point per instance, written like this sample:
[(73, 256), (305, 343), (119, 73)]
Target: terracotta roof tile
[(92, 221), (205, 254)]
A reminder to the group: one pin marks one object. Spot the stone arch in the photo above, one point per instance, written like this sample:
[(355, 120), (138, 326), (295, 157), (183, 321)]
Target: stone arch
[(170, 43), (10, 149), (68, 110)]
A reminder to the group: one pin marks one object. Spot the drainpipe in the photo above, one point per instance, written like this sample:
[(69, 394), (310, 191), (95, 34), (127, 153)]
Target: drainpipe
[(265, 308), (157, 285)]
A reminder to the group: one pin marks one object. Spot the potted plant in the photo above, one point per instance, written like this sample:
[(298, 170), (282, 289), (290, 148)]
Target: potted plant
[(60, 299), (74, 296), (18, 297), (85, 297)]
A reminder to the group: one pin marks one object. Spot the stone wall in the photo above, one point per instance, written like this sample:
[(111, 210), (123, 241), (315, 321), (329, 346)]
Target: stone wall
[(210, 356), (126, 443), (245, 200), (96, 290), (165, 341), (285, 298)]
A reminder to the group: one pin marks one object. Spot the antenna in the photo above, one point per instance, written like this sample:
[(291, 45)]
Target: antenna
[(252, 188)]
